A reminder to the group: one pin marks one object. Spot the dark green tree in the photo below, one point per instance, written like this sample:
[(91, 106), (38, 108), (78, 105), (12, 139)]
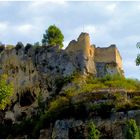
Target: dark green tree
[(132, 130), (138, 56), (53, 36), (93, 132)]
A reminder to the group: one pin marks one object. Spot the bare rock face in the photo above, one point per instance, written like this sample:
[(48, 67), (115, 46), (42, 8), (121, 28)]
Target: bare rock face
[(60, 130)]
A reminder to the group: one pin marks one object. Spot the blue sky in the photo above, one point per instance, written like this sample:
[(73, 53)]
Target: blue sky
[(106, 22)]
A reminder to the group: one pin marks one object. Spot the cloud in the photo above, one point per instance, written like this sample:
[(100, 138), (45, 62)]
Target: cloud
[(111, 7), (3, 26), (25, 29)]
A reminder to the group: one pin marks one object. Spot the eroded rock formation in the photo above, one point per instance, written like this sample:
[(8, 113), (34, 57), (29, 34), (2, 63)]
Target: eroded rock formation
[(34, 73)]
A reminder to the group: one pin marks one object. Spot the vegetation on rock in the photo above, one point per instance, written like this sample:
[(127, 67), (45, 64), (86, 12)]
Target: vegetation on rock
[(93, 132), (6, 91), (132, 130)]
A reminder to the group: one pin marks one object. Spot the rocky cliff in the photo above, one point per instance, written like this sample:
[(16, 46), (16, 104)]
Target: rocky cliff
[(56, 97)]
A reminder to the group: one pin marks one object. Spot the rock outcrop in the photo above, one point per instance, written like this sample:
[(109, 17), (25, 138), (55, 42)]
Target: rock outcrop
[(33, 70), (36, 74)]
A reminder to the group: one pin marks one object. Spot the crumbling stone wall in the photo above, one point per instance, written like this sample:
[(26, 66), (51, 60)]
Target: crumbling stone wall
[(97, 61)]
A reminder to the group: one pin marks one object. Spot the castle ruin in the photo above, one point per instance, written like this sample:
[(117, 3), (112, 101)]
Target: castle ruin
[(97, 61)]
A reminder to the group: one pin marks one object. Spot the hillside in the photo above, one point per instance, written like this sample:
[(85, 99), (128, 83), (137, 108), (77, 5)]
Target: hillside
[(79, 92)]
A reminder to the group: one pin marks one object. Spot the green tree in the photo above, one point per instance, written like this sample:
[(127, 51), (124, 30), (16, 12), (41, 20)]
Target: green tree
[(93, 132), (53, 36), (6, 90), (138, 55), (132, 130)]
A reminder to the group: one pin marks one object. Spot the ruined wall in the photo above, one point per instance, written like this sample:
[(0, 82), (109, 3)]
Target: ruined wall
[(108, 61), (82, 54), (105, 54), (118, 59), (82, 44)]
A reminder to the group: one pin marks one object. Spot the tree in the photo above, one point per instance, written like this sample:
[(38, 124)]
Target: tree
[(19, 45), (6, 91), (138, 56), (93, 132), (37, 44), (53, 36), (2, 47), (132, 130)]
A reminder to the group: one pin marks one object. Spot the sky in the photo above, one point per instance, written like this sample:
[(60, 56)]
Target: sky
[(106, 22)]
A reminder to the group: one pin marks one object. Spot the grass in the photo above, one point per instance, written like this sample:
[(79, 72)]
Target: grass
[(108, 82)]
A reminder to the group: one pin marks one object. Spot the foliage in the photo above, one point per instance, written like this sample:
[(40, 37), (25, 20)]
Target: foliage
[(27, 47), (138, 60), (93, 132), (56, 110), (19, 45), (9, 47), (53, 36), (2, 47), (89, 84), (132, 130), (6, 90), (37, 44), (103, 109), (138, 56)]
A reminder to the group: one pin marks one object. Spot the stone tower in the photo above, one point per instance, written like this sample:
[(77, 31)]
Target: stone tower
[(83, 54)]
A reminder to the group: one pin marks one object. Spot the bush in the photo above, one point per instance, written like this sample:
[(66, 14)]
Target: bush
[(9, 47), (57, 109), (93, 132), (6, 91), (132, 130), (103, 109), (2, 47), (19, 45), (27, 47), (91, 83)]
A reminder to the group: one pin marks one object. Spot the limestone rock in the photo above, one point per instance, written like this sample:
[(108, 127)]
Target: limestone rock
[(9, 115), (60, 130)]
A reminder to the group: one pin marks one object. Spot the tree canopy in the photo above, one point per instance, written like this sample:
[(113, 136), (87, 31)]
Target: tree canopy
[(53, 36)]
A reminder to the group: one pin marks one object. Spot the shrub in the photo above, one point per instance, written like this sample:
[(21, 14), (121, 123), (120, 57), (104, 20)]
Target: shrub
[(93, 132), (19, 45), (27, 47), (6, 91), (56, 110), (9, 47), (132, 130), (2, 47), (103, 109)]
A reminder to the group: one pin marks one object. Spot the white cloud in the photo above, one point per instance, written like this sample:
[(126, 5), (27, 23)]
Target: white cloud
[(111, 7), (40, 5), (3, 26), (25, 28)]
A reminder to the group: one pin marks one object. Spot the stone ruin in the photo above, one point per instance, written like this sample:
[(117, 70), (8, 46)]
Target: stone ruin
[(97, 61)]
